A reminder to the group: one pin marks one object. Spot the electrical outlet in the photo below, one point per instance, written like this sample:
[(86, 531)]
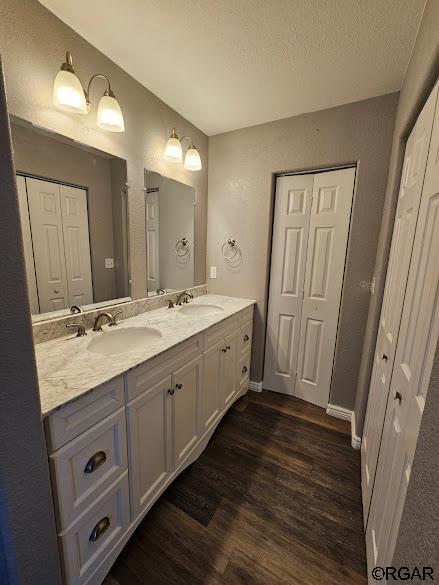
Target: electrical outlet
[(213, 272), (109, 262)]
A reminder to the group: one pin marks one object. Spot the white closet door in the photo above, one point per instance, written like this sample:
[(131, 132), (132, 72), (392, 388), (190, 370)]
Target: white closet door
[(27, 245), (415, 350), (328, 235), (76, 244), (290, 237), (152, 211), (47, 237), (412, 181)]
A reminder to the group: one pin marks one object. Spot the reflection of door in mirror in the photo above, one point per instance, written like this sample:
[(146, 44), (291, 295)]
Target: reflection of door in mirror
[(55, 217), (73, 205), (169, 211)]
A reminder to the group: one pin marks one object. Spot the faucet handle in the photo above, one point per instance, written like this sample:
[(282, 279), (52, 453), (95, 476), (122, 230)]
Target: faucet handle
[(116, 314), (81, 329)]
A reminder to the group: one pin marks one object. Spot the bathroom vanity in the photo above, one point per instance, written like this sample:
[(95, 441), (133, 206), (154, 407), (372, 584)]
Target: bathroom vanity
[(127, 409)]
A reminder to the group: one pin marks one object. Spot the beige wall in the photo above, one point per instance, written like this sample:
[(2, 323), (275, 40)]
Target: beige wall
[(28, 546), (420, 78), (33, 43), (241, 167)]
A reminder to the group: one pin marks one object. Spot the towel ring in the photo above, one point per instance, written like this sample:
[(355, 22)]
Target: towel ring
[(182, 247), (231, 242)]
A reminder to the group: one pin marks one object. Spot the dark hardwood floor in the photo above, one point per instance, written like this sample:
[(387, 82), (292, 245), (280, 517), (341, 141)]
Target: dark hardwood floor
[(274, 499)]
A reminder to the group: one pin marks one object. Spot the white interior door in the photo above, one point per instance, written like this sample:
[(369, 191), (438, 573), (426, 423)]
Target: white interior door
[(415, 351), (412, 181), (287, 276), (152, 211), (76, 244), (47, 236), (327, 242), (27, 245)]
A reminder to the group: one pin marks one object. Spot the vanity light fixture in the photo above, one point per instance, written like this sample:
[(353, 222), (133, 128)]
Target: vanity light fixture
[(69, 95), (174, 152)]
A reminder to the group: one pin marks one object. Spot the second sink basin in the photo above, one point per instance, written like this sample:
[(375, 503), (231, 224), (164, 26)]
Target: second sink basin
[(200, 309), (122, 340)]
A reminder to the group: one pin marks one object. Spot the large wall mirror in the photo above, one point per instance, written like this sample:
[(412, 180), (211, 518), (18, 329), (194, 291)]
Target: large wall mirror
[(73, 208), (169, 208)]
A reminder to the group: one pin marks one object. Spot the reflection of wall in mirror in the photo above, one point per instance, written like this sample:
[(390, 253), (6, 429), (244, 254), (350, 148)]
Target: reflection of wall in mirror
[(104, 177)]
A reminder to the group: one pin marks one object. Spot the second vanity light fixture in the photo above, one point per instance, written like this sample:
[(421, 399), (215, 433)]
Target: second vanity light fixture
[(69, 95), (174, 152)]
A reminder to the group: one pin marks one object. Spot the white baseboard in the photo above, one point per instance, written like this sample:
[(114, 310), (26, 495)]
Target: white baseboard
[(345, 414), (255, 386)]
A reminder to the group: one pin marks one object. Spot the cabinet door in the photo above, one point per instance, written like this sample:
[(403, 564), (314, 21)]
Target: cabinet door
[(211, 400), (150, 445), (187, 392), (229, 368)]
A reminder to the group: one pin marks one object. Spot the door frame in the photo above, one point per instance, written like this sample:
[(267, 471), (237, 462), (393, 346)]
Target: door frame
[(352, 164)]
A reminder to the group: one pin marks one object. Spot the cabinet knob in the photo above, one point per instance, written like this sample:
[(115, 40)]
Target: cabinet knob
[(384, 357), (171, 392), (179, 386), (56, 291), (228, 347), (244, 370), (398, 396), (99, 529), (95, 461), (246, 337), (224, 349)]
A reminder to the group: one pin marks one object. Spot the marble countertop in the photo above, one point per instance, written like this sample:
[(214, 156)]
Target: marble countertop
[(67, 369)]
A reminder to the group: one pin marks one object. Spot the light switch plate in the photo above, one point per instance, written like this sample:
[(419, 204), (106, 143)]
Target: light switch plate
[(109, 262), (213, 272)]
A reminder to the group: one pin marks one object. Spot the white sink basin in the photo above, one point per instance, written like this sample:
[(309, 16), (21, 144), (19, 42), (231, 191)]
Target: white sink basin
[(122, 340), (200, 310)]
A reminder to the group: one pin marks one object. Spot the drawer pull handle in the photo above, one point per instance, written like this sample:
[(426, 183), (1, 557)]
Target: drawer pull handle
[(244, 370), (246, 337), (228, 347), (171, 392), (99, 529), (95, 461), (224, 349), (179, 386)]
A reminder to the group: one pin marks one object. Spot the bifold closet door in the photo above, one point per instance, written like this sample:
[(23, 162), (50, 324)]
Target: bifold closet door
[(412, 181), (415, 350), (310, 233), (327, 242), (152, 211)]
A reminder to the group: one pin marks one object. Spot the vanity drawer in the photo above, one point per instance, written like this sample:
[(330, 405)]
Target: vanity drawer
[(246, 315), (83, 468), (70, 421), (245, 338), (244, 370), (220, 330), (86, 542), (146, 376)]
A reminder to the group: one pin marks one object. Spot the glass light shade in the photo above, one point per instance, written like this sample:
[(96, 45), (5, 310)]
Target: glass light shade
[(192, 161), (173, 151), (109, 115), (68, 93)]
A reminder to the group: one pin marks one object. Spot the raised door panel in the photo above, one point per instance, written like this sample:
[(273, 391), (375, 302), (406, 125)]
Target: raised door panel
[(211, 403), (76, 244), (150, 444), (412, 181), (289, 248), (186, 383), (327, 243), (27, 245), (229, 369), (48, 241)]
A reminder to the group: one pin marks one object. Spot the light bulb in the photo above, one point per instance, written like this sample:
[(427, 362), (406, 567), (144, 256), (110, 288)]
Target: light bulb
[(67, 90), (192, 161), (173, 151), (109, 116)]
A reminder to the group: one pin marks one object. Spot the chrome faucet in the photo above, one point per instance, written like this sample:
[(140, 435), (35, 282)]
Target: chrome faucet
[(110, 318), (183, 297)]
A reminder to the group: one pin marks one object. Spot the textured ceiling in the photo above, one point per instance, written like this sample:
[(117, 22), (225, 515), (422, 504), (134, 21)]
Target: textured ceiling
[(227, 64)]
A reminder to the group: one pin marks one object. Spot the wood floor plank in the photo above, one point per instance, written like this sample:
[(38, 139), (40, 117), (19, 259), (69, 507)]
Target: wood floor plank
[(275, 499)]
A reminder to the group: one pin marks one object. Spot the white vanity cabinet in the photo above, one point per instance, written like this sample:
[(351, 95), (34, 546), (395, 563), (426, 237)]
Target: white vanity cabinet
[(115, 450)]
